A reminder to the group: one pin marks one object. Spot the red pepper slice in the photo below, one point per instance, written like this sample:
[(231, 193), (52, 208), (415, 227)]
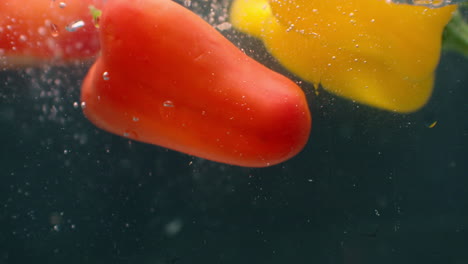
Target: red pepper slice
[(168, 78)]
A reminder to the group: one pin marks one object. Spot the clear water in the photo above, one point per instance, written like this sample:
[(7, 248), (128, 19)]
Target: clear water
[(370, 186)]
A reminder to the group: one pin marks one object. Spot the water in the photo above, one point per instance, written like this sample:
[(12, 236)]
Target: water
[(370, 186), (429, 3)]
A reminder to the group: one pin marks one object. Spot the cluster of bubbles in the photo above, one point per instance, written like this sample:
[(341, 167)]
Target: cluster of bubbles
[(214, 12)]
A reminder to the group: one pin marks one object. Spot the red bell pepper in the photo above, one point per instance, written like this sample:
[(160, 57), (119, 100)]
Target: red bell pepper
[(33, 31), (168, 78)]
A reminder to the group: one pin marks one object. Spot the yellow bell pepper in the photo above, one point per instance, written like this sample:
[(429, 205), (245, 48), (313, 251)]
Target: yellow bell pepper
[(370, 51)]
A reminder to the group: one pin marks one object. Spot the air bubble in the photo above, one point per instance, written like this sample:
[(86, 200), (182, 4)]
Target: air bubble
[(130, 134), (54, 31), (105, 76), (168, 103), (74, 26)]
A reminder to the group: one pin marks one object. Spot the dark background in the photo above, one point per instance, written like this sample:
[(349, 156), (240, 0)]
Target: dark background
[(370, 186)]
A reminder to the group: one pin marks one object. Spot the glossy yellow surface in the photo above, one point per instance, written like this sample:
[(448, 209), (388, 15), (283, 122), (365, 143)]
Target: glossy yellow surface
[(370, 51)]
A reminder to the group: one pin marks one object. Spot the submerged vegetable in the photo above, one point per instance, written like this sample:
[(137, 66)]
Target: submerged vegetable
[(33, 31), (168, 78), (371, 51), (455, 36)]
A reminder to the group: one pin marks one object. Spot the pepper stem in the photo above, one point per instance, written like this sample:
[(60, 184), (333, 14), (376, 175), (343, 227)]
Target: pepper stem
[(96, 14), (455, 36)]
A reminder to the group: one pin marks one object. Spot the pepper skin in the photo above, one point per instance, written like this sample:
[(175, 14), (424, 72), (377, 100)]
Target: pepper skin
[(33, 32), (166, 77), (370, 51)]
